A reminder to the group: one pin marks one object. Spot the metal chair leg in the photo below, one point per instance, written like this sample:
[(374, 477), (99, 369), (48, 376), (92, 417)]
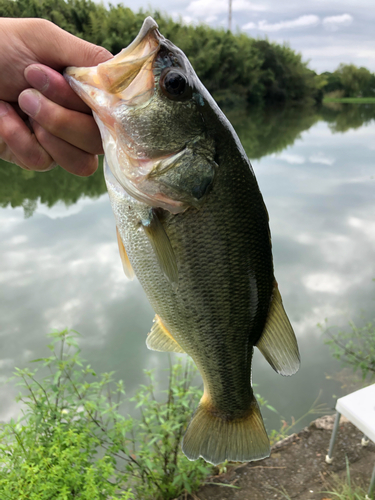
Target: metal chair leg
[(329, 458), (372, 485), (365, 440)]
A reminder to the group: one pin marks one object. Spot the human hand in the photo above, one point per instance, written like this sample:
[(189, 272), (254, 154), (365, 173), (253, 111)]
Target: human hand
[(46, 124)]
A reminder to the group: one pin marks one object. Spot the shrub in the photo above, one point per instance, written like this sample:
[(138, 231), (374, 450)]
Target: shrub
[(354, 347), (72, 442)]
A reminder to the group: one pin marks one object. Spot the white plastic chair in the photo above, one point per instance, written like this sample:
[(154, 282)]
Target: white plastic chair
[(359, 408)]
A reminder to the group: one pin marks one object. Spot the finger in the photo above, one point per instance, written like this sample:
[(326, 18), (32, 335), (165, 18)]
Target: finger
[(57, 48), (74, 127), (54, 86), (72, 159), (7, 154), (23, 147)]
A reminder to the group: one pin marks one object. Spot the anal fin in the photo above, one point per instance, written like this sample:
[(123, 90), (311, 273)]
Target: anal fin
[(278, 344), (128, 270), (159, 338)]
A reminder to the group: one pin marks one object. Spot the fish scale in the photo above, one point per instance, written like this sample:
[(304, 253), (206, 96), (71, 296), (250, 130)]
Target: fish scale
[(219, 253), (193, 227)]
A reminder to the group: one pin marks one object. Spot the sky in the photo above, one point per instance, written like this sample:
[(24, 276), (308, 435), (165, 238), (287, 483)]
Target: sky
[(325, 32)]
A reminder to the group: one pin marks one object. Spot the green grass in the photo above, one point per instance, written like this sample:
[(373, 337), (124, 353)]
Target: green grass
[(344, 489), (351, 100)]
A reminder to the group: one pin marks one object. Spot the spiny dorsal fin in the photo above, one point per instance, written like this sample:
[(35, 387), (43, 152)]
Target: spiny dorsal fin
[(278, 343), (128, 270), (162, 246), (159, 338)]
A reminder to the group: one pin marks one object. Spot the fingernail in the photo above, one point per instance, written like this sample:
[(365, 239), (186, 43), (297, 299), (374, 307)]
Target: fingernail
[(37, 78), (3, 108), (29, 101)]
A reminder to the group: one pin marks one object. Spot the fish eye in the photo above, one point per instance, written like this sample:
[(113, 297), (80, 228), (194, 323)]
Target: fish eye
[(175, 85)]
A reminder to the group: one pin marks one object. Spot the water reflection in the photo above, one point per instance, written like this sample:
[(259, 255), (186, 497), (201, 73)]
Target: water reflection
[(262, 132), (61, 267)]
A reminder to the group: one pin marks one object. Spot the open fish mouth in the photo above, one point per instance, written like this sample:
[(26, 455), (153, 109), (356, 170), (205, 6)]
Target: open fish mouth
[(141, 100), (127, 77)]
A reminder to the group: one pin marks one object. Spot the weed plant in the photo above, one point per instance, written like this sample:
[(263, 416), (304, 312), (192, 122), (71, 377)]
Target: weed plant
[(72, 442), (354, 347), (345, 490)]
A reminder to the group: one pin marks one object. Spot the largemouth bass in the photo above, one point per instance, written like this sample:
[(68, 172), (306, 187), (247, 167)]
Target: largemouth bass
[(193, 227)]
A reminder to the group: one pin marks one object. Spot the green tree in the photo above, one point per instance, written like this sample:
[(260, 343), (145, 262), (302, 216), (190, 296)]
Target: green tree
[(351, 80), (233, 67)]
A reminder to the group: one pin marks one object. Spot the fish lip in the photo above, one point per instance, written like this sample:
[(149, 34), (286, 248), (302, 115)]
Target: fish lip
[(149, 25), (95, 76)]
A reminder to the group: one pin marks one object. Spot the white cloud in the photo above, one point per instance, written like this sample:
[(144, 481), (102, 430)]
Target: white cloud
[(367, 227), (210, 19), (249, 26), (61, 210), (210, 8), (292, 159), (301, 22), (325, 282), (333, 23), (179, 18), (321, 158)]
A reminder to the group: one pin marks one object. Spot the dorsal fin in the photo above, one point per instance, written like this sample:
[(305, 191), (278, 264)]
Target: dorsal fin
[(128, 270), (278, 343), (162, 246), (159, 338)]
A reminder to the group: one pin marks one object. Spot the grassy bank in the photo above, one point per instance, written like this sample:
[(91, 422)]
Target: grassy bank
[(350, 100), (74, 439)]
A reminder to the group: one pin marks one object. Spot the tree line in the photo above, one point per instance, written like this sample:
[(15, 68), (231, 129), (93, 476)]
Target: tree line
[(234, 67), (349, 81)]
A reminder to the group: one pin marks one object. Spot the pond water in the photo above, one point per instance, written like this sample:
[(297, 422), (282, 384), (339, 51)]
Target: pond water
[(59, 262)]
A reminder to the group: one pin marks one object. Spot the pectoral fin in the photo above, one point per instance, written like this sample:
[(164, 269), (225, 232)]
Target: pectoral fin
[(159, 338), (128, 270), (278, 343), (162, 246)]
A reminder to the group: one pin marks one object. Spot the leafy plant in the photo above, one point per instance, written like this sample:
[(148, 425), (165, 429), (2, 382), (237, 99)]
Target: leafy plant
[(354, 347), (345, 490), (72, 442), (287, 428)]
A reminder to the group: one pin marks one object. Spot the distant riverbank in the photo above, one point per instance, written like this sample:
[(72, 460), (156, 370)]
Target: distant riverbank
[(350, 100)]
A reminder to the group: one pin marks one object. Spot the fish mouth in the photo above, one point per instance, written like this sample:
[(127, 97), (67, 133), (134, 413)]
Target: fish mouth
[(127, 77)]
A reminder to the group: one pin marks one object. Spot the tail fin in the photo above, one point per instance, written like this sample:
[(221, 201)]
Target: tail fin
[(217, 439)]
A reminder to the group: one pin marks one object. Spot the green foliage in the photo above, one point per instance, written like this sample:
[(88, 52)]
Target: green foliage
[(286, 429), (346, 490), (233, 67), (73, 442), (354, 347), (351, 81)]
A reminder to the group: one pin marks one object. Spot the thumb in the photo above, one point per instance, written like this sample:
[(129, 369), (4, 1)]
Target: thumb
[(57, 48)]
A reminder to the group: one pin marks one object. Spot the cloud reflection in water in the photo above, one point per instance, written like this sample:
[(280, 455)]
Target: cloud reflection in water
[(61, 268)]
